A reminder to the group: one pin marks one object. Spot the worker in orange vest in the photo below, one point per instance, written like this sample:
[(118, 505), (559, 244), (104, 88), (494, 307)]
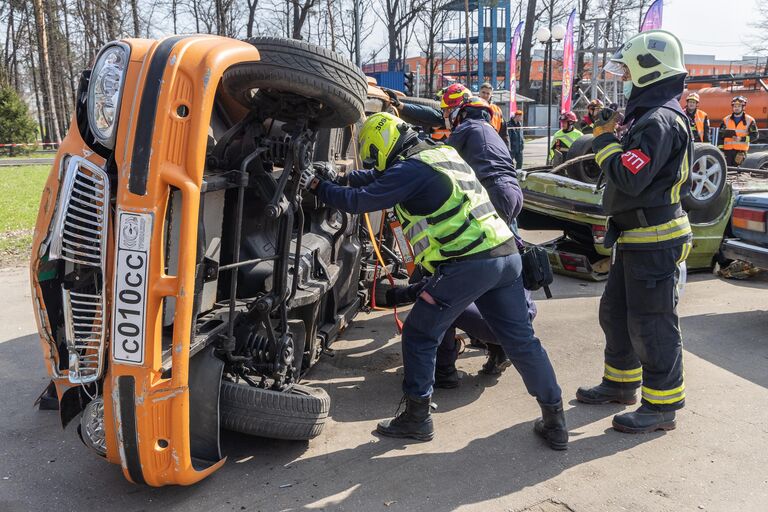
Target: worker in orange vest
[(737, 131), (497, 119), (698, 118)]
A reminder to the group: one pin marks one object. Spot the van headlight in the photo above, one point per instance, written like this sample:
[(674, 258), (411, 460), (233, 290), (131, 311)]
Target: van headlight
[(105, 91)]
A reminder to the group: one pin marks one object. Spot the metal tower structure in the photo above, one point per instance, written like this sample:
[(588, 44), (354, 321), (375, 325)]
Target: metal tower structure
[(490, 27)]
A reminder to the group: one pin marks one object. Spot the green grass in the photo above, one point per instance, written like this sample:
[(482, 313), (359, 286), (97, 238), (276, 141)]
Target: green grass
[(32, 154), (20, 191)]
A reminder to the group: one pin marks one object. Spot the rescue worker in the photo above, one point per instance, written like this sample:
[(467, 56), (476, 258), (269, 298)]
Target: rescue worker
[(646, 175), (470, 253), (737, 131), (516, 139), (588, 121), (564, 138), (497, 118), (697, 118)]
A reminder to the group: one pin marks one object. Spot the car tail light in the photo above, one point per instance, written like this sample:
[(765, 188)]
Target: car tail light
[(574, 262), (598, 233), (752, 219)]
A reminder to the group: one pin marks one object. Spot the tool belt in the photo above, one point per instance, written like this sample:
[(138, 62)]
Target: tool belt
[(640, 218)]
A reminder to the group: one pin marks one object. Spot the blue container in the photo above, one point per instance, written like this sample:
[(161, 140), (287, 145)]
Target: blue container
[(394, 80)]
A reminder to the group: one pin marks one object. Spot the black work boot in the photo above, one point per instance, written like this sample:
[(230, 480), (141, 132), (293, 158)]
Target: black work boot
[(605, 394), (414, 422), (446, 377), (644, 420), (497, 361), (551, 426)]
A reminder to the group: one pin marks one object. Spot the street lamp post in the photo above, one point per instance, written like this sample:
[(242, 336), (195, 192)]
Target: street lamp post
[(547, 37)]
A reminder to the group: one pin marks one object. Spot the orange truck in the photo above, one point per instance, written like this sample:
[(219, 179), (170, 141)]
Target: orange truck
[(716, 101)]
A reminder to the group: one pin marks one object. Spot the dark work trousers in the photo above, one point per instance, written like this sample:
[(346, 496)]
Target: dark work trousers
[(505, 195), (472, 322), (518, 157), (638, 314), (496, 287)]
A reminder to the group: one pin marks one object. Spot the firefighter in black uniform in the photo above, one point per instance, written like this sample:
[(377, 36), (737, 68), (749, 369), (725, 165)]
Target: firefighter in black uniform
[(646, 174)]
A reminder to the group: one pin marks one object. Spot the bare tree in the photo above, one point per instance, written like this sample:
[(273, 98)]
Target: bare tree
[(398, 16), (348, 34), (433, 17), (52, 120)]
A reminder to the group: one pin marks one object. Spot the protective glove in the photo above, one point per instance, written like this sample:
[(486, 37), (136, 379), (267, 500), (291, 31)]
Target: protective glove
[(606, 122), (393, 99), (324, 170), (309, 181)]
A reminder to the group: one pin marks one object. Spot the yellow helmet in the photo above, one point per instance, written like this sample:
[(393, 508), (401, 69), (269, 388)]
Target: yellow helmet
[(382, 138), (693, 96), (650, 57)]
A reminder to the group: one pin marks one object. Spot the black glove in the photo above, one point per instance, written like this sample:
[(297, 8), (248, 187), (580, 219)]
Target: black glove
[(324, 170), (392, 97)]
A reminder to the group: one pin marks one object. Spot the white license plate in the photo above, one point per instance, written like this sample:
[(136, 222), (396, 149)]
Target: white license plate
[(130, 290)]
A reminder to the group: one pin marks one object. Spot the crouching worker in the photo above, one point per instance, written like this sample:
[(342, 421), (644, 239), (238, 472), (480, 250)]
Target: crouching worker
[(470, 253)]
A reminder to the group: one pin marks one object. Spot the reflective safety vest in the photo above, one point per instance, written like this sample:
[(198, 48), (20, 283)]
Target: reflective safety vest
[(698, 122), (565, 138), (496, 118), (741, 141), (465, 224)]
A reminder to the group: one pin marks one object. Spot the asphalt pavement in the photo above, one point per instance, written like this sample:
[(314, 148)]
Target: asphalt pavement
[(484, 456)]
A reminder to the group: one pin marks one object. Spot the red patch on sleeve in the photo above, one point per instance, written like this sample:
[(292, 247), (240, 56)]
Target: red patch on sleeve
[(635, 160)]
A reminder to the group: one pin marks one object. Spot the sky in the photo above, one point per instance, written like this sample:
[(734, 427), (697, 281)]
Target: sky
[(712, 27)]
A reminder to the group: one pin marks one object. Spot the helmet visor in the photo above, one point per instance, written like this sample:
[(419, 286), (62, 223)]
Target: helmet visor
[(615, 68)]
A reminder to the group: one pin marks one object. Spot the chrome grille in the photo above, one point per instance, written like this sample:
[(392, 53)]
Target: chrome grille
[(84, 324), (79, 236), (81, 220)]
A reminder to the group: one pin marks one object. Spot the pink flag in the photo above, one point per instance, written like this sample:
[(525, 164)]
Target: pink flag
[(569, 63), (652, 20), (513, 71)]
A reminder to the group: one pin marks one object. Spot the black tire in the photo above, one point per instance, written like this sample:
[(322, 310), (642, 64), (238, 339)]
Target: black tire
[(707, 159), (298, 414), (289, 73), (756, 161), (587, 171)]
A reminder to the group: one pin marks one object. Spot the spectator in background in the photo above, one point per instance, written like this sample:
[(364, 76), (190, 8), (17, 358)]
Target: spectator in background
[(516, 139)]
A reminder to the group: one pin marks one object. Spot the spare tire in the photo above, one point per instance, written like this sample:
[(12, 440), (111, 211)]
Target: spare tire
[(587, 171), (296, 414), (708, 176), (289, 73)]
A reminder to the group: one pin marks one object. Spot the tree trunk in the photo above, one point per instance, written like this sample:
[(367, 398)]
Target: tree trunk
[(45, 73), (70, 66), (331, 24), (135, 17), (525, 51), (252, 4), (583, 11)]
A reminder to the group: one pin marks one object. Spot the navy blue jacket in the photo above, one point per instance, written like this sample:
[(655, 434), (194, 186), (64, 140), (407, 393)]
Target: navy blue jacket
[(481, 146), (412, 183), (516, 139)]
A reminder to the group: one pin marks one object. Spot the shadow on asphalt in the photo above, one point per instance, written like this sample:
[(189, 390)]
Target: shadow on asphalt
[(733, 341)]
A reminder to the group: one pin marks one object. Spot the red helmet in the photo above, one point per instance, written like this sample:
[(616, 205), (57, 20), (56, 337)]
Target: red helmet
[(454, 96), (568, 117), (474, 102)]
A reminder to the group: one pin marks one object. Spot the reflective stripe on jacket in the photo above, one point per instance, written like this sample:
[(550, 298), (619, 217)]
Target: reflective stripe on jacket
[(565, 138), (739, 142), (465, 224)]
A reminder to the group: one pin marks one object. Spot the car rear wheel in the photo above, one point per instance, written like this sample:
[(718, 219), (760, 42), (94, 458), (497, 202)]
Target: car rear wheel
[(294, 80), (708, 173), (587, 171), (756, 161), (296, 414)]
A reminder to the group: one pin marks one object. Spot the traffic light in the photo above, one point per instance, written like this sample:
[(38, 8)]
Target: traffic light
[(408, 83)]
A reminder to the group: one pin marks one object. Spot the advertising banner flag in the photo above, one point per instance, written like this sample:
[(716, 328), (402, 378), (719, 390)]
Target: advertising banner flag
[(569, 64), (513, 70), (652, 20)]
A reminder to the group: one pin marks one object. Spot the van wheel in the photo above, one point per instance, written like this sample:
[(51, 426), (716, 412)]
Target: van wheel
[(587, 171), (294, 79), (708, 173), (296, 414)]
